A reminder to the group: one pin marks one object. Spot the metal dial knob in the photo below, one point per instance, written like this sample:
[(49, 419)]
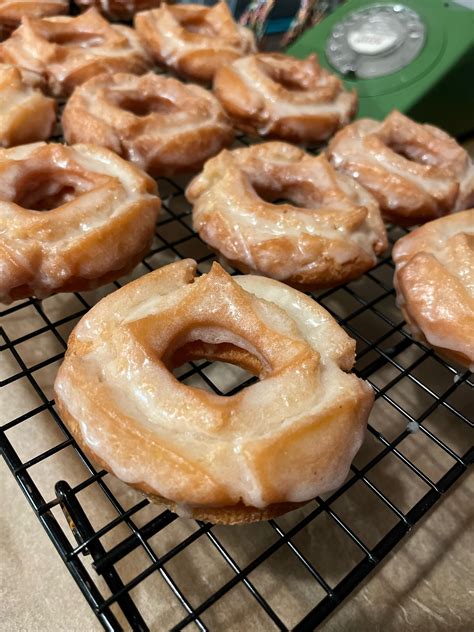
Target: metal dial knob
[(376, 41)]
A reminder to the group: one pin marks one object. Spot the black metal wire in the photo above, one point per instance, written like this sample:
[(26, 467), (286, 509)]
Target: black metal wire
[(383, 352)]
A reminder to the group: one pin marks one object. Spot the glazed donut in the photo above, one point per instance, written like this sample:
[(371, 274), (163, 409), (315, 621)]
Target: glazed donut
[(26, 115), (246, 457), (12, 11), (194, 40), (69, 50), (270, 94), (157, 122), (119, 9), (100, 218), (416, 172), (434, 279), (327, 232)]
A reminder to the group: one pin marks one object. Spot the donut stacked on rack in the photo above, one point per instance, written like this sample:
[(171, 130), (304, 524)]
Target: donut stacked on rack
[(74, 217), (13, 11)]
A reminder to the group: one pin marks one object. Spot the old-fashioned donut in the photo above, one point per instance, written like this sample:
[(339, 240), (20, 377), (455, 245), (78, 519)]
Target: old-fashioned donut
[(71, 218), (416, 172), (192, 39), (253, 455), (26, 115), (156, 122), (434, 279), (275, 95), (67, 51), (326, 229)]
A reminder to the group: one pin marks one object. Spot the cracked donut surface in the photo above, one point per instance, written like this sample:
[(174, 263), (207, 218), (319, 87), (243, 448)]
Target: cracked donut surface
[(71, 218), (416, 172), (67, 51), (434, 279), (12, 11), (26, 115), (157, 122), (271, 94), (326, 229), (257, 453), (194, 40)]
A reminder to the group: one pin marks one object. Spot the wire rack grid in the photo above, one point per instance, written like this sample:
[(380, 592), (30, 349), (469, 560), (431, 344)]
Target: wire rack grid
[(141, 567), (418, 437)]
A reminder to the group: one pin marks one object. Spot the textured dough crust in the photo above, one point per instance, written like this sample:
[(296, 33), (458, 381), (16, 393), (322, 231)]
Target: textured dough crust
[(13, 11), (156, 122), (328, 232), (194, 40), (434, 279), (101, 223), (119, 9), (231, 459), (232, 514), (416, 172), (26, 115), (67, 51), (270, 94)]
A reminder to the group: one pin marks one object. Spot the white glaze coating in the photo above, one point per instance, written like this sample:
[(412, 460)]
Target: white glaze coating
[(244, 446), (92, 228), (328, 214), (416, 172), (434, 279), (26, 115), (67, 51)]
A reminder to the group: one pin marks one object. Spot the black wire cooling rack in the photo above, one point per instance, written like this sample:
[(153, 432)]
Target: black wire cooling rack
[(140, 566), (417, 446)]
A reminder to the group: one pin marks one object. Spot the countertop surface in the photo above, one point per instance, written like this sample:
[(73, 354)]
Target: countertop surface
[(427, 584)]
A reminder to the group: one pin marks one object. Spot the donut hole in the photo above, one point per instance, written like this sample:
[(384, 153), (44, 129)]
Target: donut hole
[(411, 153), (232, 366), (49, 189), (75, 39), (280, 197), (198, 25), (285, 76), (144, 106)]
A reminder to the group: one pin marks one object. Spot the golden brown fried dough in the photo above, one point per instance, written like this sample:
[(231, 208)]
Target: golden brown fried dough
[(71, 218), (416, 172), (246, 457), (327, 231)]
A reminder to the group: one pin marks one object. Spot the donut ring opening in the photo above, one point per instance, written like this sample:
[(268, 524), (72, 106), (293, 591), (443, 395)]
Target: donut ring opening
[(74, 39), (48, 188), (296, 75), (197, 23), (143, 106), (224, 352)]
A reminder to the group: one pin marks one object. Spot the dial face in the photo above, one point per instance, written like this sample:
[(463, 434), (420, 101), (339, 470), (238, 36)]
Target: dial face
[(376, 41)]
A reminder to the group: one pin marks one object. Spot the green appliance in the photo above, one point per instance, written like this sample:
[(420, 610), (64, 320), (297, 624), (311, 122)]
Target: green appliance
[(415, 55)]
